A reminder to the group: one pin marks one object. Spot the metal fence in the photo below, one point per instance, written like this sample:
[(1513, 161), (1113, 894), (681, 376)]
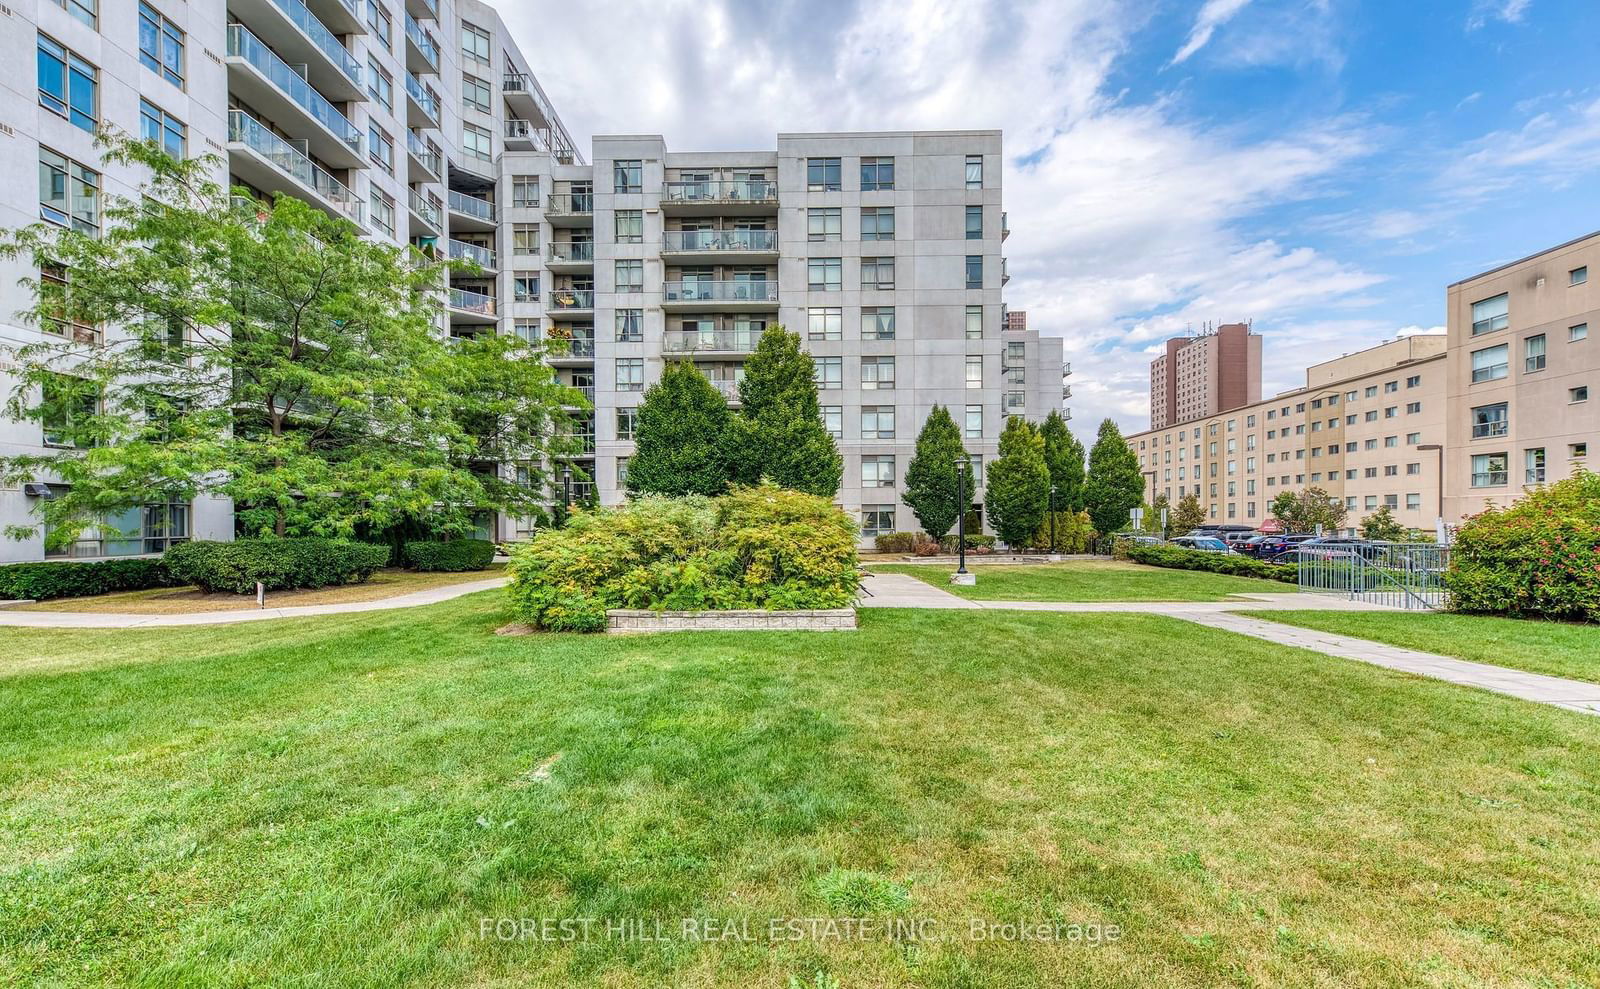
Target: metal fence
[(1401, 575)]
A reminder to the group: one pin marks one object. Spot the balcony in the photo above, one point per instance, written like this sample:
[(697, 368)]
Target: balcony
[(525, 135), (570, 209), (422, 51), (1005, 276), (474, 213), (571, 255), (425, 212), (272, 164), (718, 295), (422, 103), (427, 162), (587, 391), (728, 389), (1066, 369), (427, 9), (1005, 226), (483, 257), (574, 351), (341, 16), (471, 307), (261, 79), (727, 245), (571, 299), (303, 39), (711, 342), (1066, 392), (724, 196)]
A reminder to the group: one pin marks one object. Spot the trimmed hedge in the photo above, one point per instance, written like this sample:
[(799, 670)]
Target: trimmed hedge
[(976, 542), (1178, 558), (44, 581), (1538, 558), (280, 564), (455, 556)]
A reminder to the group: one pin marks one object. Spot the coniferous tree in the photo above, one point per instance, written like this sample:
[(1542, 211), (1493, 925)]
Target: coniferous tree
[(1189, 514), (933, 480), (778, 433), (681, 435), (1017, 493), (1063, 454), (1382, 526), (1114, 484)]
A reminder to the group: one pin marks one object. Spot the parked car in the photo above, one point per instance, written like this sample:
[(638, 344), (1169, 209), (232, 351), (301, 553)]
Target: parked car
[(1237, 537), (1208, 544), (1252, 546), (1303, 554), (1273, 545), (1348, 544)]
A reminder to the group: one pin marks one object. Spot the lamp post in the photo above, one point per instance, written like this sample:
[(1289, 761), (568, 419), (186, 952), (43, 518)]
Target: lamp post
[(566, 491), (1439, 449), (1052, 518), (961, 517)]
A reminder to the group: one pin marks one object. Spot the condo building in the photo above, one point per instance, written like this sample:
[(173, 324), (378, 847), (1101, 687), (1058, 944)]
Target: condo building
[(1206, 374), (422, 122)]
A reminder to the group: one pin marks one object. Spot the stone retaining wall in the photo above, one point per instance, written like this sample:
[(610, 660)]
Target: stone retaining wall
[(620, 621)]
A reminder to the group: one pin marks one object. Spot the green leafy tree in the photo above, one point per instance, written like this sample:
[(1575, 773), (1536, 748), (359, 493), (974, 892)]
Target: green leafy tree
[(778, 432), (1114, 484), (1017, 493), (1152, 515), (264, 352), (1304, 511), (1189, 514), (1063, 454), (933, 480), (681, 437), (1382, 526)]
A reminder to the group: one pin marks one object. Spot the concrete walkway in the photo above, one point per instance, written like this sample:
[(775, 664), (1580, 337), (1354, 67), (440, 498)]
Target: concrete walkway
[(85, 619), (904, 591)]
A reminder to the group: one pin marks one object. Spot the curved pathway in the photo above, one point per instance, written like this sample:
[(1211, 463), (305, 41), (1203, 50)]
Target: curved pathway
[(86, 619)]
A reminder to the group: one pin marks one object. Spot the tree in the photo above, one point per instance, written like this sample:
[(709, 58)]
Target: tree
[(264, 352), (1063, 454), (1303, 512), (931, 477), (680, 441), (1382, 526), (1114, 483), (1018, 490), (778, 432), (1152, 514), (1189, 514)]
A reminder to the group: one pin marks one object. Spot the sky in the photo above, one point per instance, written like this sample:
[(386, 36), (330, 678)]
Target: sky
[(1321, 168)]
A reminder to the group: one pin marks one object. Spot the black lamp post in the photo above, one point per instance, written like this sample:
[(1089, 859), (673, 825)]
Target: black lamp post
[(1052, 518), (566, 489), (961, 512)]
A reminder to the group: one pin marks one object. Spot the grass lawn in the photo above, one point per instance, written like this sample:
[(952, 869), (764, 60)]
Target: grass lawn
[(187, 600), (341, 802), (1089, 580), (1555, 648)]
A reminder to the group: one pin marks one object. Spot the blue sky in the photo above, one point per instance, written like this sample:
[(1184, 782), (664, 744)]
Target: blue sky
[(1322, 167)]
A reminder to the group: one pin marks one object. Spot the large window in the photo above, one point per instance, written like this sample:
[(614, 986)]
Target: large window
[(877, 174), (630, 325), (825, 323), (822, 175), (629, 226), (160, 45), (630, 374), (824, 274), (823, 224), (1533, 465), (524, 191), (84, 10), (382, 25), (380, 148), (877, 519), (1489, 470), (974, 222), (627, 177), (475, 43), (1489, 363), (877, 471), (382, 213), (1533, 354), (833, 420), (975, 372), (877, 223), (139, 529), (476, 94), (877, 322), (68, 403), (877, 273), (477, 142), (974, 322), (974, 171), (68, 85), (877, 422), (974, 271), (53, 290), (69, 193), (156, 124), (973, 427), (627, 423), (828, 372), (525, 239), (379, 85), (630, 276), (1491, 314)]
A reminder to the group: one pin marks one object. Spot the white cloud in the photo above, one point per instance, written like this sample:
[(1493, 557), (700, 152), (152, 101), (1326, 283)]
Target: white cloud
[(1213, 15), (1554, 147), (1509, 11)]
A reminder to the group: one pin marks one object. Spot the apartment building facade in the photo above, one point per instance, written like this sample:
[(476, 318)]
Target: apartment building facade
[(1204, 375)]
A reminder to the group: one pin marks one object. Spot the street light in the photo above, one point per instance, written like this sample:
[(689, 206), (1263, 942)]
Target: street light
[(566, 489), (961, 512), (1052, 518)]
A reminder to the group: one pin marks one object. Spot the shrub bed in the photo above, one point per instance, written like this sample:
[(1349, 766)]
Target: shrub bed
[(280, 564), (757, 548), (977, 542), (1178, 558), (455, 556), (1538, 558), (44, 581)]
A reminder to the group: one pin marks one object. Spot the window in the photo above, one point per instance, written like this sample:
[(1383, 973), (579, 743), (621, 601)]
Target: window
[(1391, 470), (974, 422), (627, 423), (974, 372), (1489, 470), (877, 519), (1578, 276), (622, 472), (1413, 501), (877, 322), (822, 175), (877, 373), (1391, 411), (629, 226), (84, 10), (378, 20), (1489, 364), (525, 286), (382, 212), (68, 403), (833, 420), (1533, 354), (974, 222), (68, 85), (1578, 332), (160, 45), (53, 286), (1371, 415), (630, 374), (1371, 472), (380, 148), (1533, 464), (379, 84), (1412, 439), (69, 193), (630, 275), (974, 171), (1578, 451), (1491, 314), (525, 238), (1414, 381), (1578, 394), (477, 142), (877, 273), (527, 330), (524, 191), (974, 322), (825, 323), (1017, 357), (823, 224), (828, 372), (877, 174), (877, 471), (877, 223), (627, 176), (877, 422), (1412, 408), (1371, 392), (974, 271), (1390, 387), (476, 94), (156, 124), (824, 274), (475, 43)]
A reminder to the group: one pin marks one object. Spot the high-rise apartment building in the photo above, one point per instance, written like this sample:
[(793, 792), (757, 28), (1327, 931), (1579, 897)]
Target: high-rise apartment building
[(1204, 375)]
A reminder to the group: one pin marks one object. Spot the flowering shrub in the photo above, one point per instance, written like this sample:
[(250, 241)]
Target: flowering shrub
[(762, 547), (1539, 558)]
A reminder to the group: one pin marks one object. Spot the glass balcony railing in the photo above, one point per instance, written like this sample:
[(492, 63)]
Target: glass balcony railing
[(572, 298), (577, 251), (424, 207), (581, 347), (701, 341), (424, 152), (460, 250), (729, 389), (722, 191), (423, 40), (247, 130), (324, 38), (709, 291), (721, 240), (472, 302), (472, 206), (424, 96), (570, 204), (243, 44)]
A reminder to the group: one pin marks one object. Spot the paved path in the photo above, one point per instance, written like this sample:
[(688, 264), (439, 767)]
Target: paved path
[(904, 591), (84, 619)]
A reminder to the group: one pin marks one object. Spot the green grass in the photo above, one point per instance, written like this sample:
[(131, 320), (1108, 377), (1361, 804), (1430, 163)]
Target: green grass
[(338, 802), (1555, 648), (1088, 580)]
